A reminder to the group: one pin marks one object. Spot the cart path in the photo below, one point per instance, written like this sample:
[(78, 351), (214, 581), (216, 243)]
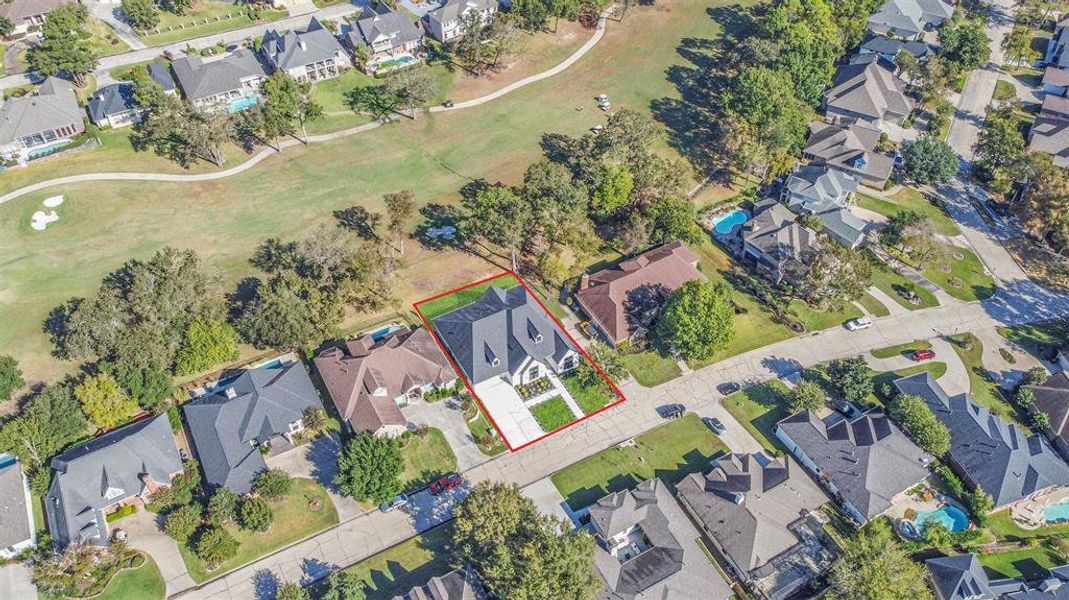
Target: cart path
[(267, 152)]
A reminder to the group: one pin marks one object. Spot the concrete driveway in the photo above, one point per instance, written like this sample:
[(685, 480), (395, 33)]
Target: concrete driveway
[(447, 416), (954, 381), (15, 582), (318, 461), (143, 533)]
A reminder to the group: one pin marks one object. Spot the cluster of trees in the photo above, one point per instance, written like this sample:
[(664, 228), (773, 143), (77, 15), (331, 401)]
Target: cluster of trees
[(911, 236), (1031, 15), (534, 15), (484, 46), (65, 47), (10, 377), (49, 421), (874, 565), (519, 552), (403, 90), (82, 570), (369, 468), (918, 421), (145, 14)]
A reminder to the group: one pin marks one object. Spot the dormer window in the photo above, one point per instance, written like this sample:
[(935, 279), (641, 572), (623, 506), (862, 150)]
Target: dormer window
[(113, 492), (491, 357)]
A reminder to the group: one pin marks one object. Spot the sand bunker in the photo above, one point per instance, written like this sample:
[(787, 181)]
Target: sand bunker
[(41, 219), (53, 202)]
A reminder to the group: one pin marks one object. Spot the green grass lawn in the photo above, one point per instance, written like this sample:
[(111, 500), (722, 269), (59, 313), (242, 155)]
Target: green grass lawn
[(142, 583), (480, 429), (294, 521), (1004, 91), (890, 351), (1001, 524), (966, 280), (891, 282), (881, 380), (104, 42), (874, 306), (333, 96), (220, 17), (911, 199), (670, 452), (1031, 563), (649, 368), (1041, 339), (819, 320), (426, 459), (552, 414), (439, 306), (589, 398), (288, 196), (411, 563), (758, 409), (983, 391)]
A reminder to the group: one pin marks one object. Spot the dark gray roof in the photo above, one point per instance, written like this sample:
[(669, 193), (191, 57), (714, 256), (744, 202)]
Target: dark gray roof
[(497, 333), (887, 46), (226, 430), (647, 507), (301, 46), (121, 461), (814, 184), (201, 79), (17, 10), (994, 454), (775, 231), (380, 21), (15, 524), (161, 74), (867, 458), (451, 10), (1051, 136), (109, 100), (958, 577), (852, 148), (458, 584), (1052, 397), (868, 88), (747, 503), (52, 106)]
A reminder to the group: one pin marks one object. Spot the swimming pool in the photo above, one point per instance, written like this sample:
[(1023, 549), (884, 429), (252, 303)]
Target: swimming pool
[(242, 103), (726, 224), (393, 63), (385, 331), (951, 516), (50, 149), (1056, 512)]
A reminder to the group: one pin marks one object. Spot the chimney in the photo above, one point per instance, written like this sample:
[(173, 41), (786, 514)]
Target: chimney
[(584, 282)]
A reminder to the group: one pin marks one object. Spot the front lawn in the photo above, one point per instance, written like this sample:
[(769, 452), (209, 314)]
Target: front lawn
[(205, 18), (649, 368), (1041, 339), (295, 519), (433, 309), (483, 432), (758, 409), (103, 40), (911, 199), (426, 458), (893, 284), (589, 398), (901, 349), (1031, 563), (552, 414), (671, 452), (966, 280), (411, 563), (984, 392), (874, 306), (136, 584)]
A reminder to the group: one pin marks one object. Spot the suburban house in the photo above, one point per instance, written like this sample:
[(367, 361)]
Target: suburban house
[(1052, 397), (776, 242), (647, 547), (962, 577), (113, 106), (888, 48), (1055, 81), (16, 515), (369, 380), (748, 506), (623, 300), (987, 452), (388, 35), (444, 23), (95, 478), (850, 148), (34, 125), (1054, 107), (825, 193), (161, 74), (458, 584), (261, 407), (1056, 56), (309, 54), (231, 82), (908, 19), (863, 460), (1050, 136), (28, 15), (867, 91)]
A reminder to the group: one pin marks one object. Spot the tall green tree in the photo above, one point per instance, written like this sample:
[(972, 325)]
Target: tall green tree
[(808, 395), (216, 545), (913, 414), (931, 160), (65, 46), (400, 208), (183, 133), (852, 378), (287, 104), (207, 342), (671, 219), (835, 275), (103, 402), (141, 14), (874, 567), (290, 311), (966, 43), (411, 87), (613, 190), (499, 216), (6, 26), (698, 319), (50, 421), (343, 585), (1018, 46), (10, 377), (370, 467)]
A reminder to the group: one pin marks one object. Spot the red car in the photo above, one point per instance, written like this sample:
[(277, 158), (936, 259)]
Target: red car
[(923, 354), (446, 482)]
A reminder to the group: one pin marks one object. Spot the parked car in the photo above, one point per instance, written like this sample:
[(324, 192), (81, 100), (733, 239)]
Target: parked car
[(446, 482), (397, 502), (859, 323), (728, 388), (671, 411), (715, 424), (923, 354)]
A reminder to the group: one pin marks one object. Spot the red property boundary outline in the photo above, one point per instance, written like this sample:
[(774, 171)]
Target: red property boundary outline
[(471, 390)]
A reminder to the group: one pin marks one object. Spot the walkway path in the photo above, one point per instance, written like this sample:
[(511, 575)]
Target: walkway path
[(312, 139)]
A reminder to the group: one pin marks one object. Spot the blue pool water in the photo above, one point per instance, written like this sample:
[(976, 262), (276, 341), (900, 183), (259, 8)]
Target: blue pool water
[(242, 103), (951, 516), (1056, 512), (382, 333), (725, 224), (47, 150)]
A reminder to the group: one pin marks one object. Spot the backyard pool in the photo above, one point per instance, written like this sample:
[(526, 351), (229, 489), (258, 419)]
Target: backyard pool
[(381, 334), (394, 63), (724, 225), (1057, 512), (951, 516), (242, 103)]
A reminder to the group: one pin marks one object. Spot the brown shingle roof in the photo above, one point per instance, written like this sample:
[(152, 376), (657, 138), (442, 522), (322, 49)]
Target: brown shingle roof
[(364, 377), (669, 266)]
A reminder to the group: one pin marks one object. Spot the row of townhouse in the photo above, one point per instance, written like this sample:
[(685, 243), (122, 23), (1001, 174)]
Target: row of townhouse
[(38, 124)]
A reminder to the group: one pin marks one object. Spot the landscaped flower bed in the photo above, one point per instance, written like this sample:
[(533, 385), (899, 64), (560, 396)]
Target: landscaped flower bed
[(533, 389)]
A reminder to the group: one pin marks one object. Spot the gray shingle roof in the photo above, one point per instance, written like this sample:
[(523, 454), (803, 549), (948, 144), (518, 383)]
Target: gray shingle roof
[(813, 184), (122, 460), (111, 100), (453, 9), (909, 17), (15, 525), (851, 148), (958, 577), (54, 105), (775, 231), (1052, 397), (459, 584), (497, 333), (161, 74), (867, 458), (995, 455), (201, 79), (747, 503), (1052, 137), (226, 431), (868, 88), (17, 10), (888, 46), (301, 46), (380, 21)]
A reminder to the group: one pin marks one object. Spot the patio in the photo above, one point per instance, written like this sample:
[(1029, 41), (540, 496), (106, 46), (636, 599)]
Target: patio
[(1030, 513)]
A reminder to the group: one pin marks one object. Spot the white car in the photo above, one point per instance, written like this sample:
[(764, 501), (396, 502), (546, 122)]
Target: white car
[(859, 323)]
